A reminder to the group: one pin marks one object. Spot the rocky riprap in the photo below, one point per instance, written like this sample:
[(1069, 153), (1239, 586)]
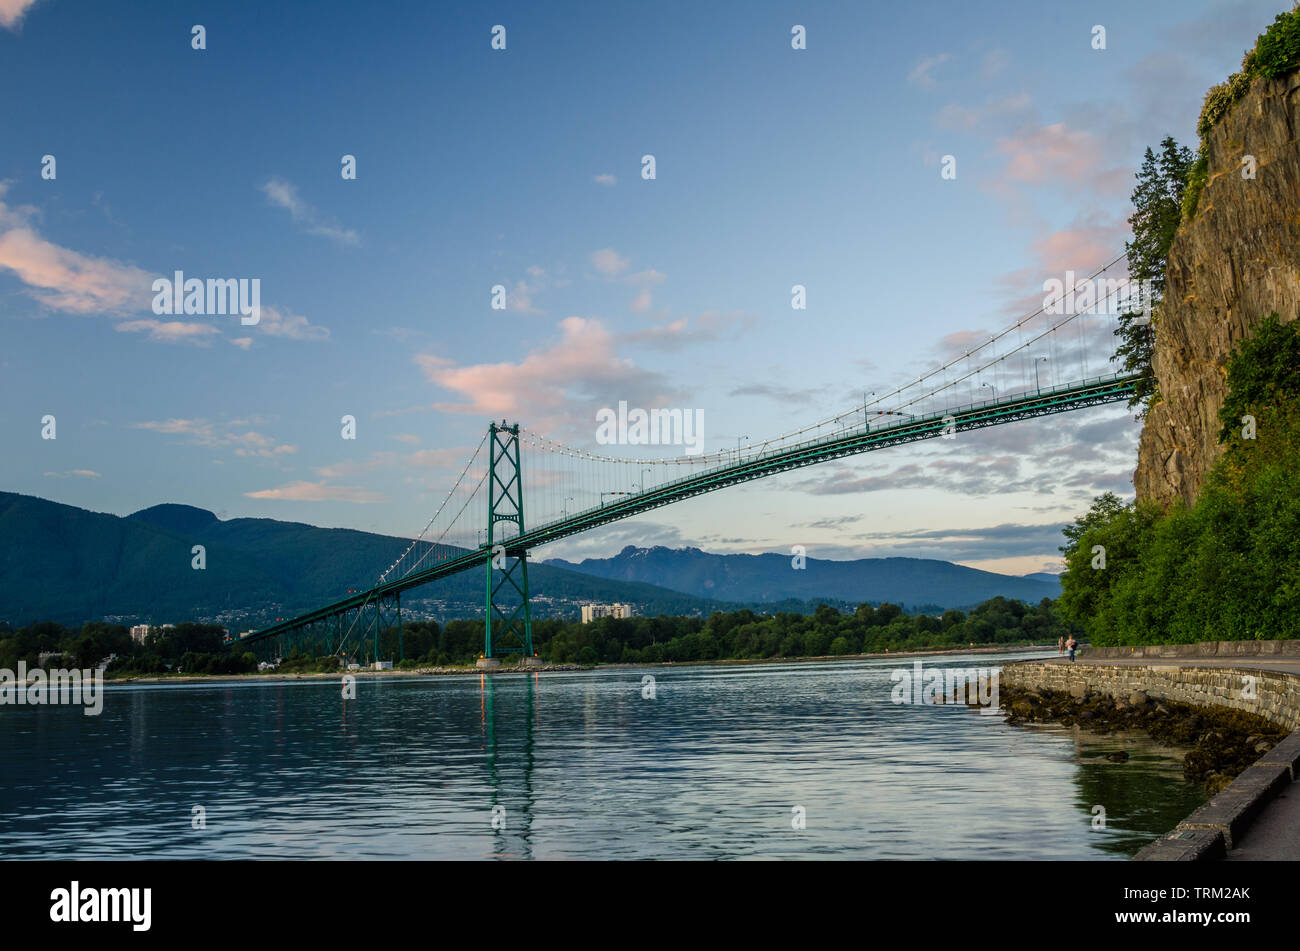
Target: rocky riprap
[(1222, 742)]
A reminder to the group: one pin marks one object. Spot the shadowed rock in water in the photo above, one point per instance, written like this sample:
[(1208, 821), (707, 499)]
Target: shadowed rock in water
[(1223, 741)]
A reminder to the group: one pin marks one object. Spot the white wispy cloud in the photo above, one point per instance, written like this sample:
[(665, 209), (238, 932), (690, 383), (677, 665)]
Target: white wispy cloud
[(218, 435), (922, 74), (170, 331), (284, 194), (283, 323), (318, 492), (608, 262)]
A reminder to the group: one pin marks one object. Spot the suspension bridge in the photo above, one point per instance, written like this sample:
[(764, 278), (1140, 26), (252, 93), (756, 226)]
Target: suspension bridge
[(1056, 359)]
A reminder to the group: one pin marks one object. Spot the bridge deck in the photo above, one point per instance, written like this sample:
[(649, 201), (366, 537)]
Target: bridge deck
[(1093, 392)]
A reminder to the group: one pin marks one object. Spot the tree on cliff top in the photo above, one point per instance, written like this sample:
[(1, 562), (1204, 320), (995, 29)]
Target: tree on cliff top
[(1158, 201)]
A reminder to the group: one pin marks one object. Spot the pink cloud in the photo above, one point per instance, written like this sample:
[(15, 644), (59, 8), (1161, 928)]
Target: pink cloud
[(68, 281), (11, 11), (581, 365), (1050, 153), (1085, 246), (962, 341), (65, 280)]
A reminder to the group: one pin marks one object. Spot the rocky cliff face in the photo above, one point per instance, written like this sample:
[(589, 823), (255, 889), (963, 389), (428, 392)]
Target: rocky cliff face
[(1234, 263)]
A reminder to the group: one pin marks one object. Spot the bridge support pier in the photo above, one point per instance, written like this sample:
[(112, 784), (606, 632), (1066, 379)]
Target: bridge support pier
[(508, 623)]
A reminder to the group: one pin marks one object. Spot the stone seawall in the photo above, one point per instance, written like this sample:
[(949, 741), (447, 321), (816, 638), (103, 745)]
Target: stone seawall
[(1217, 827), (1276, 696)]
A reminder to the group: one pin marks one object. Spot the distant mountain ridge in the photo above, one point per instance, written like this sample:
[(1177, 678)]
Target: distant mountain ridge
[(182, 519), (916, 583), (66, 564)]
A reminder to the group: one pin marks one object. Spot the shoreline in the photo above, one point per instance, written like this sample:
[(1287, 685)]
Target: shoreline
[(1233, 712), (154, 679), (1221, 743)]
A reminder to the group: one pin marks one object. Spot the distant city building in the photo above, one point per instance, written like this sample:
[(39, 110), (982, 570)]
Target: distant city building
[(592, 611), (138, 632)]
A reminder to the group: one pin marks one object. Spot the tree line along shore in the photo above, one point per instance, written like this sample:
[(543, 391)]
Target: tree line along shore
[(194, 648)]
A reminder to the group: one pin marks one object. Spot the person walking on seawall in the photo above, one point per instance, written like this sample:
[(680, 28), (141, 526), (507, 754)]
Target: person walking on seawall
[(1071, 645), (1060, 645)]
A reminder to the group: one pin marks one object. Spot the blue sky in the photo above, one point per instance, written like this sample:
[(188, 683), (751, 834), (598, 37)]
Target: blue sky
[(521, 167)]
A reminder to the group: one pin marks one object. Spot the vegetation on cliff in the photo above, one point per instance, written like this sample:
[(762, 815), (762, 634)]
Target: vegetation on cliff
[(1228, 567), (1276, 53)]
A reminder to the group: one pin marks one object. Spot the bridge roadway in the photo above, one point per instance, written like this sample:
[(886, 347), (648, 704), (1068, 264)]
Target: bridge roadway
[(1093, 392)]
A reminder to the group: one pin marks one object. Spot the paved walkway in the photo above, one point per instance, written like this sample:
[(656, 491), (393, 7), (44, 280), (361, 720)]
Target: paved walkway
[(1274, 836), (1289, 665)]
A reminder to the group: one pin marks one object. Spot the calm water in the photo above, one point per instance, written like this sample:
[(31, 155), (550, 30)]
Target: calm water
[(582, 766)]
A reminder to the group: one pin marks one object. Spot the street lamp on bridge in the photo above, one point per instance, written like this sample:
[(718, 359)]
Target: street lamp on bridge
[(1037, 360)]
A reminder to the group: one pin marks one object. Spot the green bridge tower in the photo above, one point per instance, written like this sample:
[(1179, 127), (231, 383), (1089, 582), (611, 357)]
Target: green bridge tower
[(508, 623)]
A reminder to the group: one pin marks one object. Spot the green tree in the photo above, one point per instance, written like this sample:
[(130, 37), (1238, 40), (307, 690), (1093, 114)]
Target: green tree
[(1157, 202), (1228, 567), (1263, 371)]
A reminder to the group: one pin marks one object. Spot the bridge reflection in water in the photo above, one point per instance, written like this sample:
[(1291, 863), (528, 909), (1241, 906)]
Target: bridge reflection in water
[(512, 797)]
